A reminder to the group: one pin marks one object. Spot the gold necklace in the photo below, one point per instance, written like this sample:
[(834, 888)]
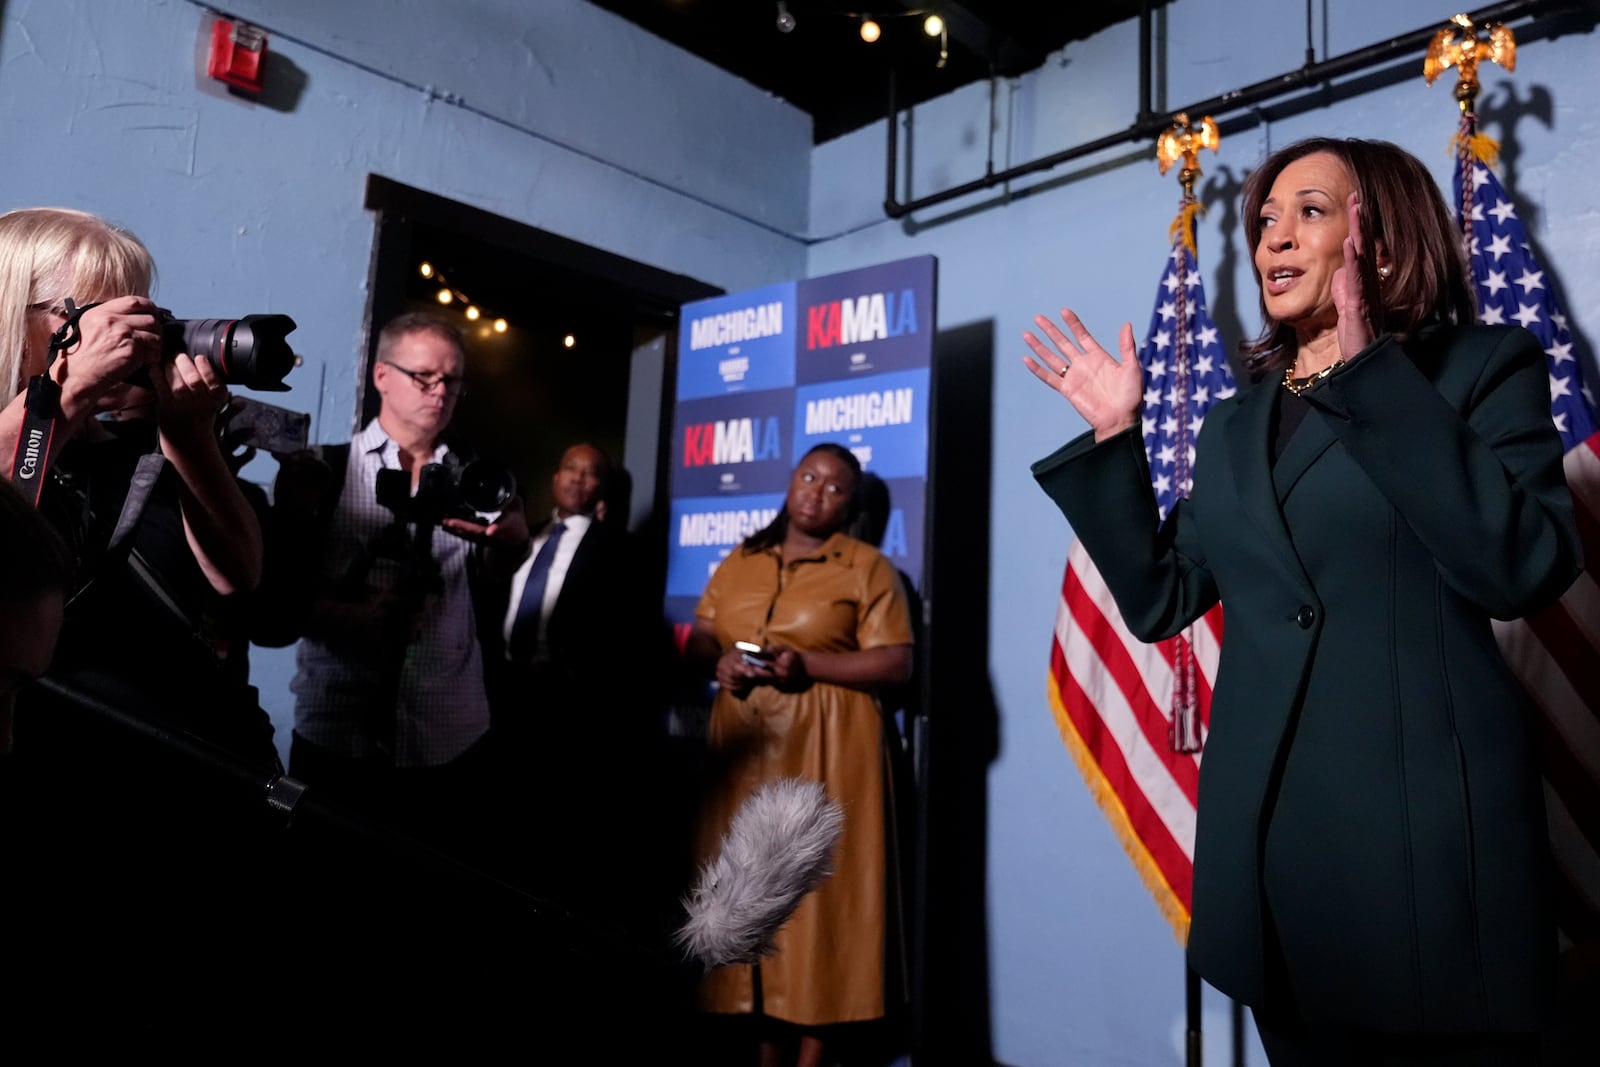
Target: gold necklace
[(1298, 386)]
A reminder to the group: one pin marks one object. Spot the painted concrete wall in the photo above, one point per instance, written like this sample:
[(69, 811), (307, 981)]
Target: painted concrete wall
[(1083, 968), (602, 134), (556, 114)]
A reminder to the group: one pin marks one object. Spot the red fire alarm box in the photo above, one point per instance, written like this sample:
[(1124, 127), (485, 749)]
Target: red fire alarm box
[(238, 51)]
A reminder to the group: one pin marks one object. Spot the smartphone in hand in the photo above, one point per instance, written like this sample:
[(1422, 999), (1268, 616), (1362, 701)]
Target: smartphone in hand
[(754, 654)]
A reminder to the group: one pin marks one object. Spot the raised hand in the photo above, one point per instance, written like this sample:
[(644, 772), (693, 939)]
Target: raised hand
[(1105, 391), (1349, 294)]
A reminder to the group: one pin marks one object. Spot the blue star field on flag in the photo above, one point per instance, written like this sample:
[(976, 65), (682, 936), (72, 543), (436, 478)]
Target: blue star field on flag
[(1185, 372), (1511, 289)]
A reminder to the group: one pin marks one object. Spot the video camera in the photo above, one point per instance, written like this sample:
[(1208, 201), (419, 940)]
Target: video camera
[(446, 491), (251, 352)]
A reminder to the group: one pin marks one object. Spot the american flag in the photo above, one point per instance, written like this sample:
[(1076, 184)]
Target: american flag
[(1133, 714), (1556, 653)]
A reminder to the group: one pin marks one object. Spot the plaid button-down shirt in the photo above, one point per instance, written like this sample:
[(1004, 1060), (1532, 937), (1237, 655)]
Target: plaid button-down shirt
[(441, 708)]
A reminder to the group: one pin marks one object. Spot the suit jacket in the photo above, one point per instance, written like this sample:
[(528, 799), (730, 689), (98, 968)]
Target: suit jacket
[(602, 626), (1370, 815)]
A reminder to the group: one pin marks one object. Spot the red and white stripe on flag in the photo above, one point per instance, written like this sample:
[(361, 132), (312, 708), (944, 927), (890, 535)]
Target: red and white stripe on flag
[(1112, 695), (1556, 654)]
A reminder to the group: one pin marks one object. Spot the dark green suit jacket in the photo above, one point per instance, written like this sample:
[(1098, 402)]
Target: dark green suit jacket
[(1371, 844)]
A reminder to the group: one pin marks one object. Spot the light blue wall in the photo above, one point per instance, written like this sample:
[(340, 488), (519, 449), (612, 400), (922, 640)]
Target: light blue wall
[(561, 116), (556, 114), (1083, 968)]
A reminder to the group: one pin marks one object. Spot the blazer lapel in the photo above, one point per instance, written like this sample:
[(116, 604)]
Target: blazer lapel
[(1247, 434), (1309, 442)]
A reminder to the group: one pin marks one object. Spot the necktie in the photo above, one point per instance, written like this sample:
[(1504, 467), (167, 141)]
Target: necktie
[(525, 631)]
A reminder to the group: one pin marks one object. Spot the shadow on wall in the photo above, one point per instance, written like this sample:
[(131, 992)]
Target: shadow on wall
[(959, 734), (1223, 190)]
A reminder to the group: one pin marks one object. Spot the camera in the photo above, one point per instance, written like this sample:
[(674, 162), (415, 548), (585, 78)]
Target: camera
[(251, 352), (447, 491)]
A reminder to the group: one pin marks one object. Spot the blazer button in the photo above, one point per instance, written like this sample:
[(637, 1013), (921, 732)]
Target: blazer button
[(1305, 616)]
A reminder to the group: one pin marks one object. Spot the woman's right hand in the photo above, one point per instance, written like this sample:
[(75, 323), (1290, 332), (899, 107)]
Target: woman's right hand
[(1106, 392), (118, 337), (736, 674)]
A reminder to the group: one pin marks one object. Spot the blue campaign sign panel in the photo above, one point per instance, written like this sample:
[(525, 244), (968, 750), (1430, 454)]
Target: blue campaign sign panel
[(733, 444), (868, 321), (705, 530), (740, 343), (766, 374), (882, 419), (902, 532)]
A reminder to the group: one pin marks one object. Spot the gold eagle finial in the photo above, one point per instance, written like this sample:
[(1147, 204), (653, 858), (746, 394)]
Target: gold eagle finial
[(1183, 141), (1459, 45)]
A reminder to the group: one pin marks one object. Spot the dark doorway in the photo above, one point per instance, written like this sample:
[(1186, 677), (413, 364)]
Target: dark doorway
[(531, 392)]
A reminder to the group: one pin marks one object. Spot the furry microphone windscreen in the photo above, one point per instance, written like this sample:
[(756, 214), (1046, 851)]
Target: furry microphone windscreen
[(778, 848)]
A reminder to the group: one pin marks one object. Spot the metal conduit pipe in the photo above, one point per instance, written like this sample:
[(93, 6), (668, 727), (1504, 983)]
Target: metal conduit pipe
[(1148, 128)]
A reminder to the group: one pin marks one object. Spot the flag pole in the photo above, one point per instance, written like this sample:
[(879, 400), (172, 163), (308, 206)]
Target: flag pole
[(1182, 142), (1192, 1051)]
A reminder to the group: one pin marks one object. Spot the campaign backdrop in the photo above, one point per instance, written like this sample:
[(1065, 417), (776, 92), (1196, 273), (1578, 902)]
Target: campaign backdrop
[(764, 375)]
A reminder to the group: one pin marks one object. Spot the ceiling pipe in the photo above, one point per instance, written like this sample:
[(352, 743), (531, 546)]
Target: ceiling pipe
[(1150, 127)]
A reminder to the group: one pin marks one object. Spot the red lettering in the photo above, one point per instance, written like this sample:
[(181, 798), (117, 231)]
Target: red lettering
[(822, 325), (698, 445)]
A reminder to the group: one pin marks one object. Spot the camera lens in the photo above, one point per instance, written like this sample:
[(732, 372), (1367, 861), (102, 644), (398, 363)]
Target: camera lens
[(486, 485), (252, 352)]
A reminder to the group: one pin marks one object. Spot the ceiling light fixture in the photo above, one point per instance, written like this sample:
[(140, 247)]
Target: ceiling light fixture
[(870, 31), (785, 20), (933, 25)]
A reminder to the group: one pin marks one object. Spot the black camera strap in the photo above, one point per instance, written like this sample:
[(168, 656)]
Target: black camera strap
[(42, 408)]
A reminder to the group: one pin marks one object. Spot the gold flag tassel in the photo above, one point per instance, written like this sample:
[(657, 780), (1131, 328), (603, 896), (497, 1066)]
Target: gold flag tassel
[(1182, 228)]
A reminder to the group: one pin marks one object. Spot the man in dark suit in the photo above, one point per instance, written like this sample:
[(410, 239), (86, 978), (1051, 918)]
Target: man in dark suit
[(570, 618), (572, 662)]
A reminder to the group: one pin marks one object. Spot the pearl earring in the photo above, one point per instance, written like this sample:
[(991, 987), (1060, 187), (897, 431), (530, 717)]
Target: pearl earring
[(1384, 272)]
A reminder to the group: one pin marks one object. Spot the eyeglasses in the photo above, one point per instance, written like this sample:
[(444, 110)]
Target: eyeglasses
[(453, 386)]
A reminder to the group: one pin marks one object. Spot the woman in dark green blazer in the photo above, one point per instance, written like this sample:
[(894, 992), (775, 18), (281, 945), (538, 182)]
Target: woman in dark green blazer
[(1370, 853)]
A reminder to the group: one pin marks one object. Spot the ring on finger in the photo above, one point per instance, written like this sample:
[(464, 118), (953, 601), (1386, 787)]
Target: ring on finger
[(1064, 368)]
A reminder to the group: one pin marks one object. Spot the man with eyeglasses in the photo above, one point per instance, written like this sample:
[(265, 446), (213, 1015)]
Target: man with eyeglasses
[(411, 748)]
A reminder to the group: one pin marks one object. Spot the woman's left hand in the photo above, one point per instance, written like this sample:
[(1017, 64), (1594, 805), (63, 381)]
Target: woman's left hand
[(1349, 295), (189, 396), (789, 669)]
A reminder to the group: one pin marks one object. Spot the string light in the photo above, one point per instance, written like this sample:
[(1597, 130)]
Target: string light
[(448, 295), (871, 27)]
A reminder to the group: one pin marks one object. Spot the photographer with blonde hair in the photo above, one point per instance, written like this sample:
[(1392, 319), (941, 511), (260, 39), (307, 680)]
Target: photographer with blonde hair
[(130, 844)]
